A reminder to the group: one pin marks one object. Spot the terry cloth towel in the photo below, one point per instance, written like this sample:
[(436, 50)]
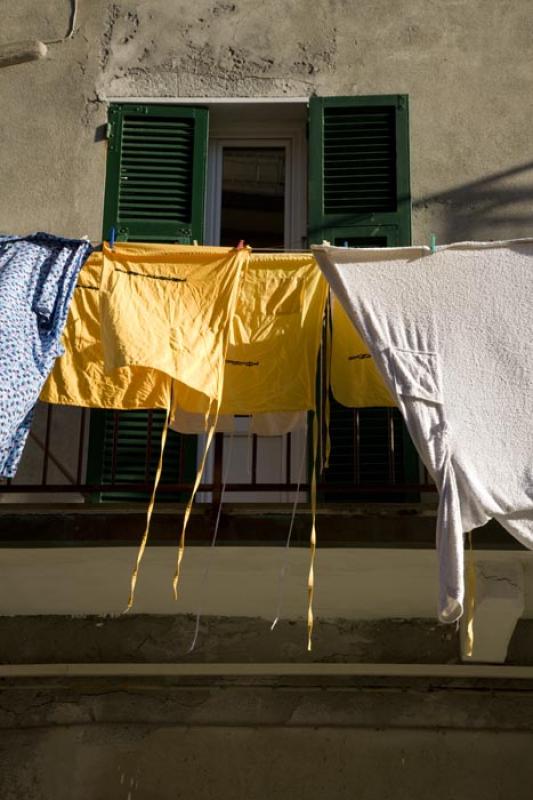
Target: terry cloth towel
[(38, 274), (355, 380), (452, 334)]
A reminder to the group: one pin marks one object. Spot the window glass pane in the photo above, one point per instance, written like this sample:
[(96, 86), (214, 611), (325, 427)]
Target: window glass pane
[(253, 196)]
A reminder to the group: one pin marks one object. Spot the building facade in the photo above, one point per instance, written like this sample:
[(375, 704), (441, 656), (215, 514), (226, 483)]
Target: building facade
[(370, 123)]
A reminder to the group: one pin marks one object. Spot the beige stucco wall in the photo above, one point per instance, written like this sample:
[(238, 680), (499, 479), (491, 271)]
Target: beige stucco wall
[(465, 64), (360, 584), (242, 582)]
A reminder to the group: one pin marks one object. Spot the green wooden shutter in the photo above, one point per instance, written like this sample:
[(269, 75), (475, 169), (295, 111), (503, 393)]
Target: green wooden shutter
[(134, 459), (154, 192), (359, 169), (156, 167), (359, 196)]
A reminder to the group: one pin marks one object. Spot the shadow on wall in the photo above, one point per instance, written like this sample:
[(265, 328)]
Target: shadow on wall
[(499, 206)]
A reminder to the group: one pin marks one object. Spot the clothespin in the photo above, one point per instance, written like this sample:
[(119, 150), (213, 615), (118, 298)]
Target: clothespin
[(112, 237), (325, 243), (240, 245), (195, 242), (345, 244), (433, 244)]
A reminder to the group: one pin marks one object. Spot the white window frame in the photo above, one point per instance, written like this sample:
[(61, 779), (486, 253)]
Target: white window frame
[(294, 143), (292, 138)]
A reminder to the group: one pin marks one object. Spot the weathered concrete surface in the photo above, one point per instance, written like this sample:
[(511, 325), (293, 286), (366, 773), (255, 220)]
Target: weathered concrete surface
[(151, 638), (368, 703), (166, 639), (398, 525), (465, 65), (121, 762)]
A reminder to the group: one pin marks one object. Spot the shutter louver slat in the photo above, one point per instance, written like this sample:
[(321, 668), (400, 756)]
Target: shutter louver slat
[(131, 453), (348, 145), (151, 145)]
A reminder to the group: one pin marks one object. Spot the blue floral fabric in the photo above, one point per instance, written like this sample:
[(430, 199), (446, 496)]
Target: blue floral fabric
[(38, 274)]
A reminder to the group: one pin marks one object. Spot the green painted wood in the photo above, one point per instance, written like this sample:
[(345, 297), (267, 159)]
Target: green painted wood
[(154, 191), (132, 461), (156, 173), (359, 173), (359, 196)]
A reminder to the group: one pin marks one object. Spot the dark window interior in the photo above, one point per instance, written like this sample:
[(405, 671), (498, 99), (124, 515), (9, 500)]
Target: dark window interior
[(253, 196)]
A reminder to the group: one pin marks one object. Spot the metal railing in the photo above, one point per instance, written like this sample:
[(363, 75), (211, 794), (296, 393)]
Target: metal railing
[(364, 466)]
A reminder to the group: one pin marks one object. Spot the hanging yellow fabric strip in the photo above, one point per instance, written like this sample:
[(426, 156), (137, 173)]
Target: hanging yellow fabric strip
[(150, 509), (211, 421), (188, 508), (471, 599), (327, 387), (311, 578)]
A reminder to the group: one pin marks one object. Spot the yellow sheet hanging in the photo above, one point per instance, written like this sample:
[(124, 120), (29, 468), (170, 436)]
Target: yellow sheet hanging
[(169, 307), (167, 327), (78, 377), (160, 318), (270, 370), (355, 381), (275, 336)]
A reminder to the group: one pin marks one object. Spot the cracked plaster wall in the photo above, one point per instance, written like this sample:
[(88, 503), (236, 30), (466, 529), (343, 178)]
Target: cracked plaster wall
[(464, 63)]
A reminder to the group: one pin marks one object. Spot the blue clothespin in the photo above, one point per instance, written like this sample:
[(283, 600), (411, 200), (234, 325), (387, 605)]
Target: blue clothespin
[(112, 237), (345, 244), (433, 244)]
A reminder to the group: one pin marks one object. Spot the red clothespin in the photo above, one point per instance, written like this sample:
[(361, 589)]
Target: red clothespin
[(240, 246)]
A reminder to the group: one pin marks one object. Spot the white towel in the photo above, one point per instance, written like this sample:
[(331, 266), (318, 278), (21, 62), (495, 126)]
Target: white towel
[(452, 334)]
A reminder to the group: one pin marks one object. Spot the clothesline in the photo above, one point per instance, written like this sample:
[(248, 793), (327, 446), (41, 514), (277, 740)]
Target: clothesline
[(432, 248), (293, 251)]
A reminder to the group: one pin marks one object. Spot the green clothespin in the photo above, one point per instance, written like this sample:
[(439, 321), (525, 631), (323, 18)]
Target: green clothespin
[(433, 244)]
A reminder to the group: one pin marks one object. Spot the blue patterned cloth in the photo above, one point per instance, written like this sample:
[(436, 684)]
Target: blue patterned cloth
[(38, 274)]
